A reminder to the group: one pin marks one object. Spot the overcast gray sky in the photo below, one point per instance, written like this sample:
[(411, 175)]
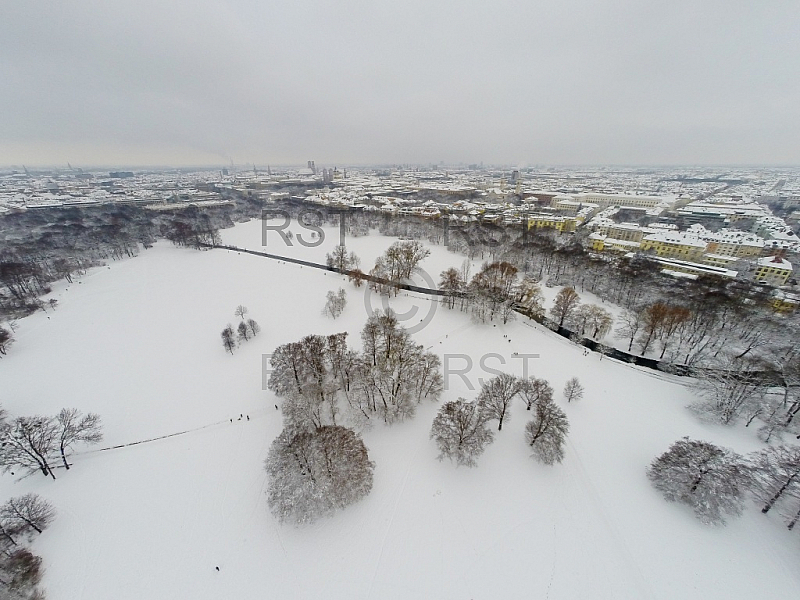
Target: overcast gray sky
[(358, 81)]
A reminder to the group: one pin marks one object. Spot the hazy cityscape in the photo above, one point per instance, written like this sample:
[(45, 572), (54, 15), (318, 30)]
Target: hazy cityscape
[(380, 301)]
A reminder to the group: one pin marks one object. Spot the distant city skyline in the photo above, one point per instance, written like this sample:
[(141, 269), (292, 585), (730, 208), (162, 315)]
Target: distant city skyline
[(612, 83)]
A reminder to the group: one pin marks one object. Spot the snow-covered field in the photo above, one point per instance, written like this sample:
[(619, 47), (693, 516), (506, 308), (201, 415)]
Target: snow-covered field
[(139, 343)]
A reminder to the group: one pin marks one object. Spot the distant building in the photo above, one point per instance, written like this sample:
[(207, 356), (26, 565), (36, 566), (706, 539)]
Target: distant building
[(604, 200), (674, 245), (560, 224), (773, 270), (784, 302)]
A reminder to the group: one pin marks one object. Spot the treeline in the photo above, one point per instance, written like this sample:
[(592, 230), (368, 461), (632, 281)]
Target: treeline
[(683, 321), (43, 246)]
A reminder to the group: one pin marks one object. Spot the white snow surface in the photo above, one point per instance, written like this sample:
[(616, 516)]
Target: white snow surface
[(139, 343)]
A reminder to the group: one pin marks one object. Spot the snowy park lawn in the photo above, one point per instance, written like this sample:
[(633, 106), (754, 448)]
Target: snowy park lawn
[(139, 343)]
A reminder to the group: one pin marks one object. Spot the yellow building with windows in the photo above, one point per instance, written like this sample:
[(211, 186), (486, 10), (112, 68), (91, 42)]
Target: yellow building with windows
[(743, 249), (601, 243), (672, 245), (784, 303), (773, 270), (560, 224), (604, 200)]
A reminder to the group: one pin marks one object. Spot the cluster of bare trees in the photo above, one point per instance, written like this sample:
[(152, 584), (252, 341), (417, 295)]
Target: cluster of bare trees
[(43, 246), (320, 376), (23, 279), (247, 328), (461, 429), (38, 443), (22, 518), (709, 319), (397, 265), (496, 291), (317, 465), (715, 481), (198, 233), (335, 303), (342, 260), (742, 389), (583, 319), (661, 322)]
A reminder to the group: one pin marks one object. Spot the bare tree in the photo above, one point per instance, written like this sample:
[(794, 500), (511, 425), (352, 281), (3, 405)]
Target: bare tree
[(25, 513), (228, 338), (776, 474), (599, 321), (74, 427), (241, 311), (253, 327), (528, 296), (461, 433), (573, 390), (400, 260), (452, 285), (728, 389), (242, 331), (314, 473), (547, 432), (533, 390), (632, 322), (566, 303), (496, 395), (340, 260), (335, 304), (28, 442), (710, 479)]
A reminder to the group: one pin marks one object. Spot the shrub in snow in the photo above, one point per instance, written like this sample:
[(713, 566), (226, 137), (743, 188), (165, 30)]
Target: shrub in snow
[(314, 473), (710, 479)]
